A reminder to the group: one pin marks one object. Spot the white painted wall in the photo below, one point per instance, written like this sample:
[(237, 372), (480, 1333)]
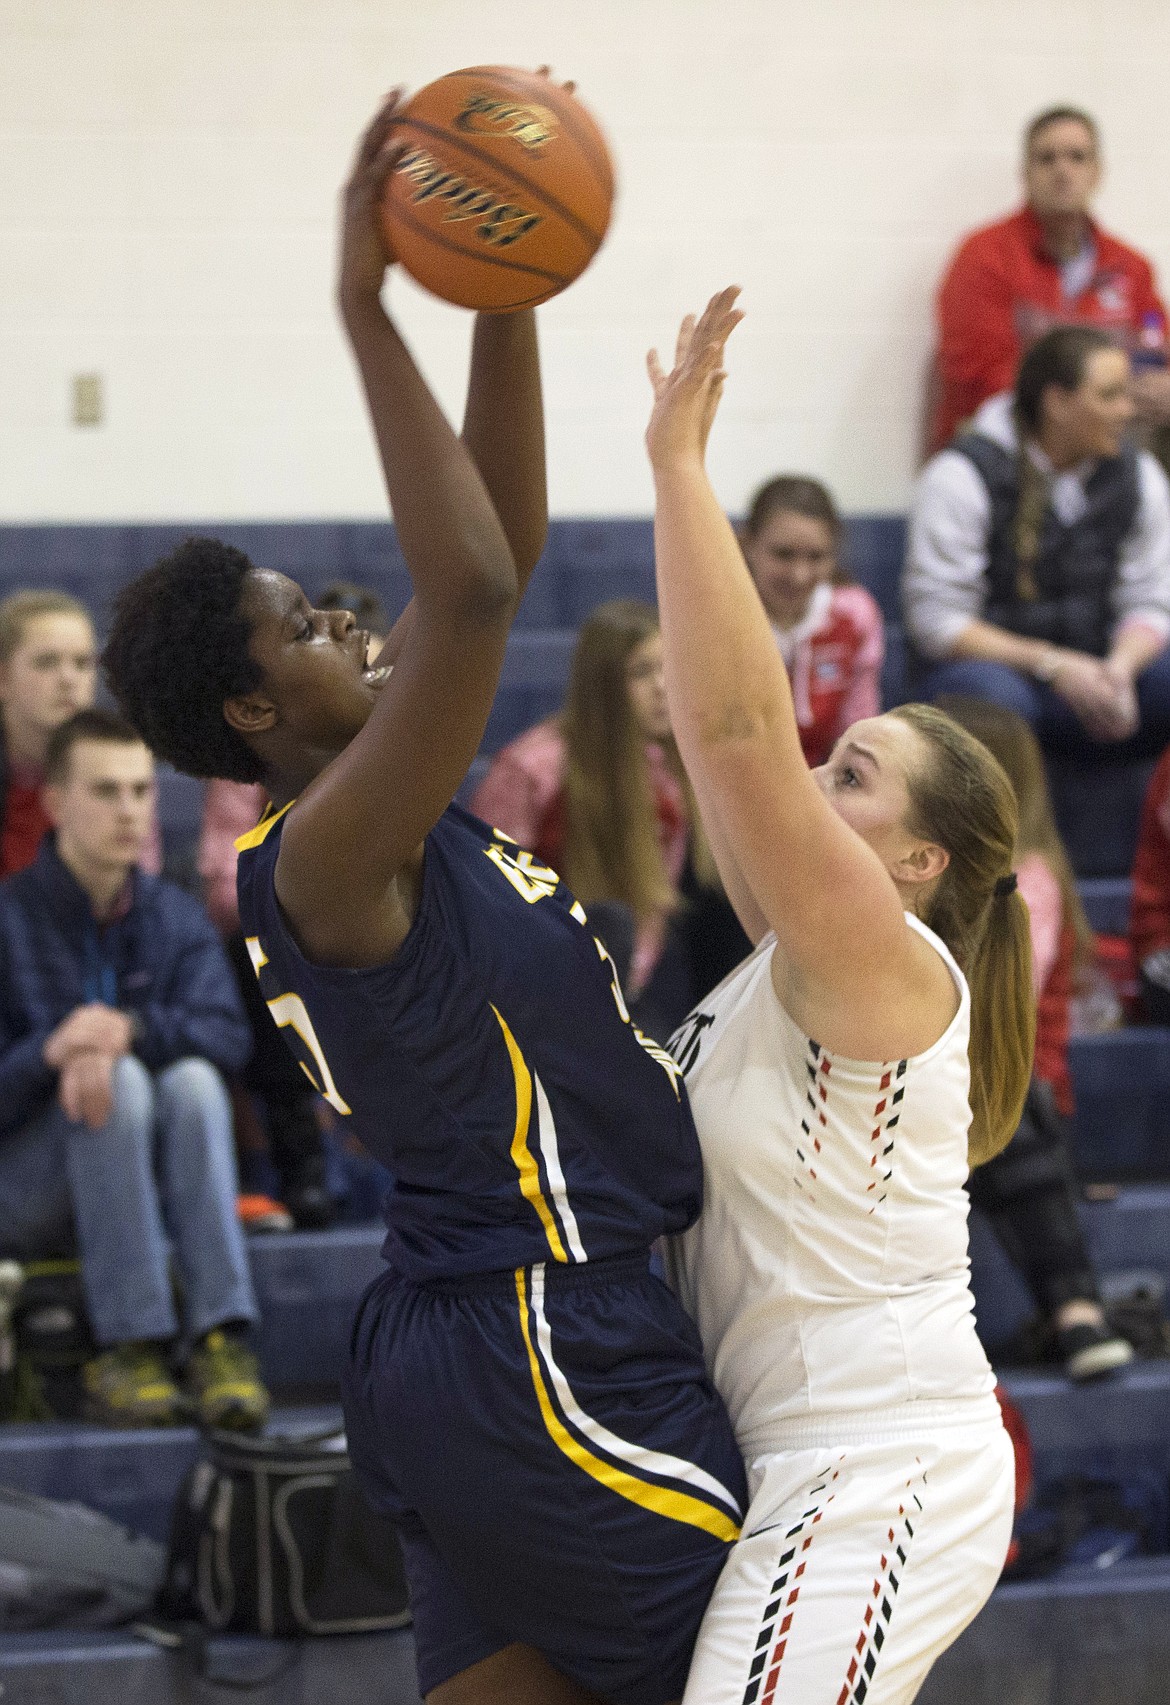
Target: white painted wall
[(168, 172)]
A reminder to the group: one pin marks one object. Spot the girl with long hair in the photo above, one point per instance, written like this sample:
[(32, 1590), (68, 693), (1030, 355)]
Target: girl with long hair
[(1029, 1193), (876, 1044), (599, 791), (829, 631)]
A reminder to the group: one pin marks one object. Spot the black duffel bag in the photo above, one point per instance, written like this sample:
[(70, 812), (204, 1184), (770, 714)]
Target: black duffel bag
[(271, 1536)]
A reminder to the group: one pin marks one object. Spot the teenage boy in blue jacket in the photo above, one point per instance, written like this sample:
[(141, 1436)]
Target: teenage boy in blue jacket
[(118, 1012)]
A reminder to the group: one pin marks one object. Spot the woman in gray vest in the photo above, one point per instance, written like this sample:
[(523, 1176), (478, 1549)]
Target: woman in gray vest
[(1038, 568)]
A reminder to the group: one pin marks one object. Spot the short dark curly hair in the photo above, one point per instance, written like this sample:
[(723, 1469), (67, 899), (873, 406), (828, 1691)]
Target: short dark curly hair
[(177, 649)]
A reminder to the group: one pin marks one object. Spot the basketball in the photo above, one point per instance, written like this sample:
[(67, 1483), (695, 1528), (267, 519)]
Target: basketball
[(504, 193)]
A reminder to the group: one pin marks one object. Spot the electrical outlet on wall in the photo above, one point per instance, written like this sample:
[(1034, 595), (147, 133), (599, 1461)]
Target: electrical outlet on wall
[(88, 399)]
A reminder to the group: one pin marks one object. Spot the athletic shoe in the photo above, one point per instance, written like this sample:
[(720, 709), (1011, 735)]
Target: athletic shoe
[(223, 1379), (1090, 1352), (261, 1213), (130, 1386), (309, 1203)]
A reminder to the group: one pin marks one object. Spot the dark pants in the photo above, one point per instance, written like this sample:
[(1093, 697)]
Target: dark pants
[(1029, 1194), (1053, 722), (1155, 1001), (275, 1078)]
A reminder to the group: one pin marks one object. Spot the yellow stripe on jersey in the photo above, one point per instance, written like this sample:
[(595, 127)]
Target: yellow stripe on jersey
[(522, 1157), (257, 836), (677, 1506)]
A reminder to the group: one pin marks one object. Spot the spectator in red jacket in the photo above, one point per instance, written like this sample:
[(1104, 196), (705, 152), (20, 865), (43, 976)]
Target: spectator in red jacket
[(1029, 1191), (1049, 264), (1149, 918), (829, 632)]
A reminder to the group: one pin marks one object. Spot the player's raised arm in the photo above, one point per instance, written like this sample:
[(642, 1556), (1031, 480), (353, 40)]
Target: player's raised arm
[(836, 912), (364, 818), (503, 428)]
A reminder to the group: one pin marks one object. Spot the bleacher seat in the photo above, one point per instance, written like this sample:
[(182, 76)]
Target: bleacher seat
[(586, 562), (1121, 1080), (1048, 1634), (1106, 903), (1098, 810), (1080, 1637), (120, 1669)]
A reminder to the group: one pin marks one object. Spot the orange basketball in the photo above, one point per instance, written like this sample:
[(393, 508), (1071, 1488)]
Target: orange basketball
[(504, 195)]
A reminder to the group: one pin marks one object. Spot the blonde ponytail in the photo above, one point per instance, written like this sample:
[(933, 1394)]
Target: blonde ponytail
[(1003, 1027), (962, 799)]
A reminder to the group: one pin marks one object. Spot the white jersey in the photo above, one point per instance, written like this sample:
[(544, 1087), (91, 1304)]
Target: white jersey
[(829, 1270)]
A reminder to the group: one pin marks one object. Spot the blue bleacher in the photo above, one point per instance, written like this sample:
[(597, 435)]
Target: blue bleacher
[(1083, 1636), (308, 1285), (586, 562)]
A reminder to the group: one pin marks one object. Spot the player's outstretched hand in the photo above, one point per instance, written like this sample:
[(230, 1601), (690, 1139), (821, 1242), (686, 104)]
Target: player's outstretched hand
[(568, 84), (365, 253), (686, 398)]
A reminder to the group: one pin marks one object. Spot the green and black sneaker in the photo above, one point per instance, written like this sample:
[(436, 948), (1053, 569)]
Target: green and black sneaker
[(223, 1379), (130, 1386)]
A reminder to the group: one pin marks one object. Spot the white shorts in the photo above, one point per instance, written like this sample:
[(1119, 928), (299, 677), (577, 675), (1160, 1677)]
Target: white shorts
[(859, 1564)]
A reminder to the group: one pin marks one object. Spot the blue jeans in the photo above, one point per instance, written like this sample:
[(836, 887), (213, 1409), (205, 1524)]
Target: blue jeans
[(160, 1172), (1053, 722)]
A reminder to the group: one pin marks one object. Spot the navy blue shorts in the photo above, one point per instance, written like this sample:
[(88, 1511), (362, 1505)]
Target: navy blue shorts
[(559, 1465)]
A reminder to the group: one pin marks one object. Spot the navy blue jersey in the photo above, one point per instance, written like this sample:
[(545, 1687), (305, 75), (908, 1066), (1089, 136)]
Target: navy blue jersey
[(491, 1065)]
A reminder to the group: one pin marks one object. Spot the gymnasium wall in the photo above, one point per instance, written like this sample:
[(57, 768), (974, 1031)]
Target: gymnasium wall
[(168, 171)]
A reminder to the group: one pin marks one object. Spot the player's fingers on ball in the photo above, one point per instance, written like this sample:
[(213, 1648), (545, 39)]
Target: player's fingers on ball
[(391, 152), (568, 85), (379, 127)]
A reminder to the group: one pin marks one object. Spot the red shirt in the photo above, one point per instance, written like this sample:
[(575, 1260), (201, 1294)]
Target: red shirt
[(1149, 916), (1052, 1024), (834, 660), (25, 823), (1003, 290)]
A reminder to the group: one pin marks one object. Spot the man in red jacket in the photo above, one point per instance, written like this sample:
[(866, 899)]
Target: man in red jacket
[(1049, 264)]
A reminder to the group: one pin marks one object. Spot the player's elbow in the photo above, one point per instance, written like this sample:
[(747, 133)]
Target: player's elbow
[(736, 724), (489, 589)]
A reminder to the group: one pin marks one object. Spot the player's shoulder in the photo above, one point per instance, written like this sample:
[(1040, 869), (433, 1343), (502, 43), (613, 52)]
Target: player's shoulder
[(1113, 252), (264, 834), (991, 244)]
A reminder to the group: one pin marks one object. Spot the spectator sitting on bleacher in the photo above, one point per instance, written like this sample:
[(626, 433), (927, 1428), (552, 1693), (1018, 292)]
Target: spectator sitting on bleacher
[(600, 794), (1047, 265), (272, 1074), (1038, 564), (1029, 1192), (829, 632), (1149, 917), (117, 1014), (48, 670)]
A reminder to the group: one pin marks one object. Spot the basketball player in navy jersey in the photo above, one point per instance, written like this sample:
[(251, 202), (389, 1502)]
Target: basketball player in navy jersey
[(526, 1400)]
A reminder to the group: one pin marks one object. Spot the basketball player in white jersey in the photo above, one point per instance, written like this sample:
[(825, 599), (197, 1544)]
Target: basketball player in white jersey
[(833, 1077)]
